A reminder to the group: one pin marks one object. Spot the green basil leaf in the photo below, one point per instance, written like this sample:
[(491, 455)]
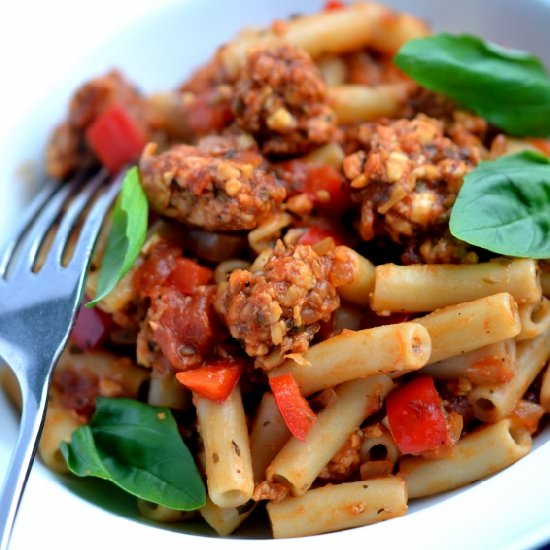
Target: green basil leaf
[(126, 237), (137, 447), (509, 88), (504, 206)]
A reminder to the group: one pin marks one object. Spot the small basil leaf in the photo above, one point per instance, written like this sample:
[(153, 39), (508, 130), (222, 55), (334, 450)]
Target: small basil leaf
[(84, 453), (137, 447), (509, 88), (126, 237), (504, 206)]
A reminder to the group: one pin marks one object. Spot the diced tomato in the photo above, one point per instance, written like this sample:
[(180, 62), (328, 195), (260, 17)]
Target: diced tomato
[(325, 185), (187, 275), (528, 415), (207, 113), (415, 416), (77, 389), (214, 381), (294, 173), (331, 5), (90, 328), (321, 182), (115, 138), (186, 324), (316, 234), (292, 405), (542, 145), (152, 273)]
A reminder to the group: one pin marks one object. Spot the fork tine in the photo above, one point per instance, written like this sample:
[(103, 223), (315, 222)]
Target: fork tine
[(93, 222), (30, 213), (26, 248), (43, 305), (74, 210)]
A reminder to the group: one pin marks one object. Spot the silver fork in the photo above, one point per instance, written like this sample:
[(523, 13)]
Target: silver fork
[(37, 308)]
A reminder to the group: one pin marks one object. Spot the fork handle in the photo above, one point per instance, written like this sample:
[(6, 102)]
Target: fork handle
[(20, 463)]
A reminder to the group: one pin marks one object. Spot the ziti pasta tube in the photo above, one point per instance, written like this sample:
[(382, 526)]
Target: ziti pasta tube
[(59, 425), (535, 319), (480, 454), (335, 31), (495, 401), (358, 290), (166, 391), (161, 514), (356, 103), (463, 327), (224, 520), (378, 444), (417, 288), (341, 506), (398, 348), (298, 463), (269, 434), (492, 364), (228, 463)]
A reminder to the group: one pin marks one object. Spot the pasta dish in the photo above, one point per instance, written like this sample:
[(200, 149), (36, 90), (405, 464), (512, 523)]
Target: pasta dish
[(324, 288)]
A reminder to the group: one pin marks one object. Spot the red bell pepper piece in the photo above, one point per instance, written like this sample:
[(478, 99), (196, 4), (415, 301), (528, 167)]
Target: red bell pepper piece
[(415, 416), (293, 407), (214, 381), (115, 138), (331, 5), (187, 275), (90, 328)]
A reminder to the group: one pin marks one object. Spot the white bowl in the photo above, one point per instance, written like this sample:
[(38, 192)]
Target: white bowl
[(49, 48)]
